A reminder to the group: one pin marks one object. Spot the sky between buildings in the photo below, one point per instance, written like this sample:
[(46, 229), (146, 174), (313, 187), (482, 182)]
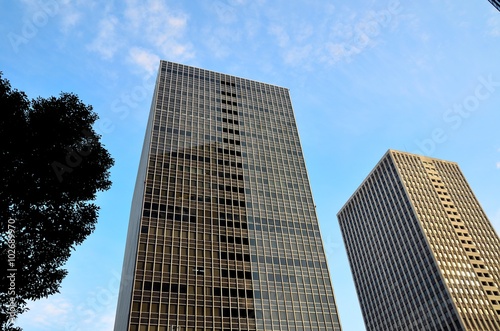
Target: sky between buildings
[(364, 76)]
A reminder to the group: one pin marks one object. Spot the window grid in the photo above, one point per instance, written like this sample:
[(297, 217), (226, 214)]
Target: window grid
[(421, 249), (228, 235)]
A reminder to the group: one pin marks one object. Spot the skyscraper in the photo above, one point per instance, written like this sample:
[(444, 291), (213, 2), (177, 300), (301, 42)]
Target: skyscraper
[(495, 3), (223, 233), (423, 254)]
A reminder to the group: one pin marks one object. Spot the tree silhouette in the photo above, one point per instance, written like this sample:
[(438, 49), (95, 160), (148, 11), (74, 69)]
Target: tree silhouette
[(52, 164)]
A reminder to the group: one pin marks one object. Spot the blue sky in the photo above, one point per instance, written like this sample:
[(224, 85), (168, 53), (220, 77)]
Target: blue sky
[(364, 76)]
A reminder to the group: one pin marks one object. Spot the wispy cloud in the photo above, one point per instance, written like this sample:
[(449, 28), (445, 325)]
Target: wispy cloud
[(356, 33), (47, 314), (93, 312), (282, 37), (31, 6), (71, 17), (226, 13), (498, 163), (160, 28), (69, 12), (106, 321), (339, 35), (234, 21), (297, 55), (214, 41), (144, 31), (144, 59), (107, 41), (494, 26)]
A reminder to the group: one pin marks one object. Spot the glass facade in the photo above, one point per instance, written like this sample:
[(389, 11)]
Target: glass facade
[(495, 3), (424, 256), (223, 233)]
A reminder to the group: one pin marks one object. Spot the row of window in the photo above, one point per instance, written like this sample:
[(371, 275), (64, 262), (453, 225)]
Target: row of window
[(228, 111), (187, 98), (235, 292), (231, 256), (227, 102), (200, 212), (230, 94), (205, 75), (148, 327), (234, 240), (268, 260), (172, 112), (175, 309), (200, 158), (148, 207), (264, 258), (266, 225), (201, 107), (172, 130), (186, 218), (178, 106)]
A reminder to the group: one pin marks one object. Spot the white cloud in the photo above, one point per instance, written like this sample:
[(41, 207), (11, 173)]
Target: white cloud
[(107, 321), (59, 309), (47, 314), (70, 19), (252, 28), (344, 51), (144, 59), (68, 12), (297, 55), (225, 13), (494, 26), (424, 37), (341, 30), (220, 40), (498, 165), (280, 34), (216, 46), (106, 43), (95, 311), (147, 31), (341, 35), (31, 6), (158, 28), (304, 33)]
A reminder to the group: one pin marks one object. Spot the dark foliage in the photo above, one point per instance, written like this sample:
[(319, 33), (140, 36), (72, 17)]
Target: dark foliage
[(52, 164)]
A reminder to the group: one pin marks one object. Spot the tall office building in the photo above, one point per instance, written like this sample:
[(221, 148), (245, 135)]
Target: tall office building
[(223, 232), (422, 252), (495, 3)]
